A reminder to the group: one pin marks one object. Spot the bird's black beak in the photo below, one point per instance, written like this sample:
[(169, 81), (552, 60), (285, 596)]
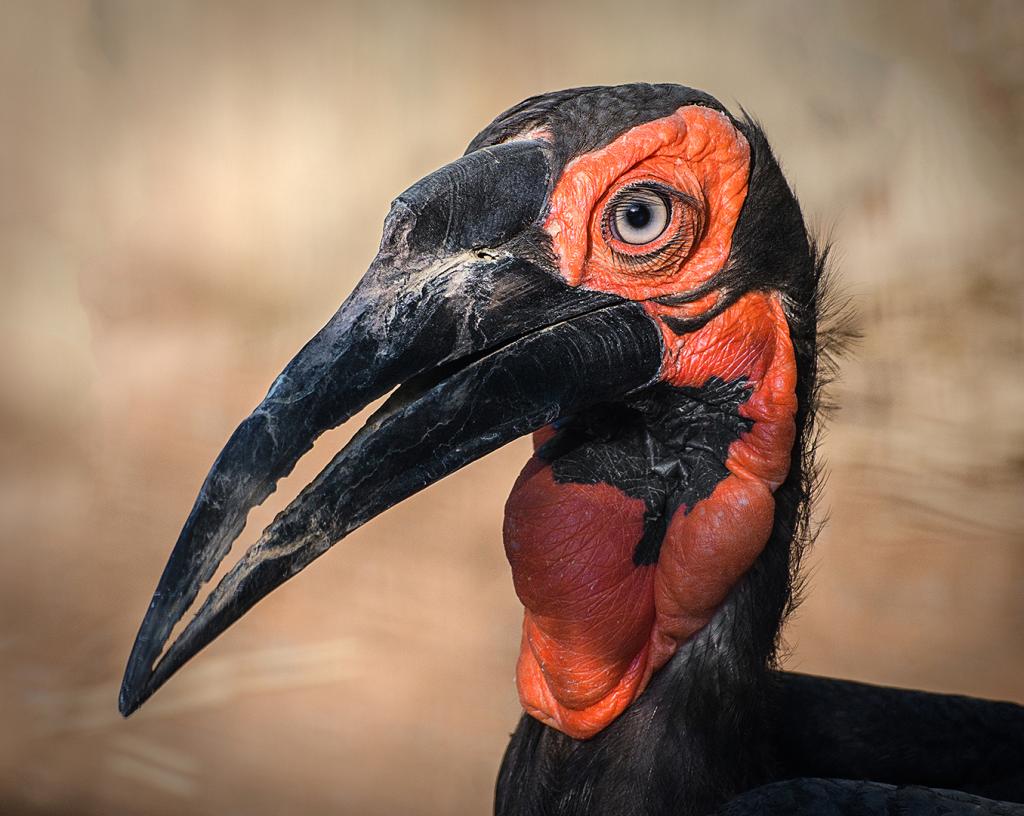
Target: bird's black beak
[(464, 311)]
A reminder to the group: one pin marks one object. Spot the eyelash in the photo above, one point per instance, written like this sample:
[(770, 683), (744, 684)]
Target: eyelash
[(678, 247)]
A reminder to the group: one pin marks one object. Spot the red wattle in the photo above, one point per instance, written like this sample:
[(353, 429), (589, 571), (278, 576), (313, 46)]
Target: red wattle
[(589, 609)]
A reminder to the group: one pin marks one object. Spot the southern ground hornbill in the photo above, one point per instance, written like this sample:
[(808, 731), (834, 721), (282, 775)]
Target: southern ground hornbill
[(624, 272)]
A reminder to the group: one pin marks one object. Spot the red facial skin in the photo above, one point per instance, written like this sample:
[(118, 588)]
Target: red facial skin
[(596, 626)]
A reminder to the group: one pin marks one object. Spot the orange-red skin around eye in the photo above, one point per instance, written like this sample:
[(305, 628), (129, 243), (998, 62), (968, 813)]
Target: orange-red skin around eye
[(696, 151), (596, 626)]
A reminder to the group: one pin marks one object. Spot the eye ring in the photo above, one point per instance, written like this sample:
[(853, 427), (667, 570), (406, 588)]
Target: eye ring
[(639, 215)]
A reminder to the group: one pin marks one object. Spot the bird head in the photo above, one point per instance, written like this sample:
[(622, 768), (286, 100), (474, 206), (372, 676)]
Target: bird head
[(623, 271)]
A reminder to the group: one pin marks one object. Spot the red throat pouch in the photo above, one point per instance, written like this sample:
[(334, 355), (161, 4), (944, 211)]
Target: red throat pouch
[(596, 623)]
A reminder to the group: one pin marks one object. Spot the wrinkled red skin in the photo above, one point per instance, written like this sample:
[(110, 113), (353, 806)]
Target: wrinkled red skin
[(596, 626)]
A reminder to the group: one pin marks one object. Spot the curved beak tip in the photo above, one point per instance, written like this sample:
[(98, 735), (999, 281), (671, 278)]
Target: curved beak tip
[(127, 704), (131, 696)]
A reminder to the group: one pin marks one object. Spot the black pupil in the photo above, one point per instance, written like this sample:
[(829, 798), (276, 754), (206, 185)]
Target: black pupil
[(638, 215)]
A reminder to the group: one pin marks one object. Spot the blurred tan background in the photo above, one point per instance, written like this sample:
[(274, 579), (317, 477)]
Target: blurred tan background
[(188, 190)]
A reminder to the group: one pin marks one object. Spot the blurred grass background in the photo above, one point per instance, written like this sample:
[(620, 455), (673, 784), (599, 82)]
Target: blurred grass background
[(188, 190)]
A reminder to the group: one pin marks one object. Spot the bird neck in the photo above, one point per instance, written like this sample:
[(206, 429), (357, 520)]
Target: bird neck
[(651, 544), (697, 735), (634, 521)]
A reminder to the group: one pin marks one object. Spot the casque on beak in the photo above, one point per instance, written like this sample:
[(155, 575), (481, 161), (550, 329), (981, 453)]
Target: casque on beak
[(464, 311)]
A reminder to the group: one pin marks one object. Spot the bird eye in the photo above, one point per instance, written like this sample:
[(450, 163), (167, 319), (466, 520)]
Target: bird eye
[(639, 216)]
